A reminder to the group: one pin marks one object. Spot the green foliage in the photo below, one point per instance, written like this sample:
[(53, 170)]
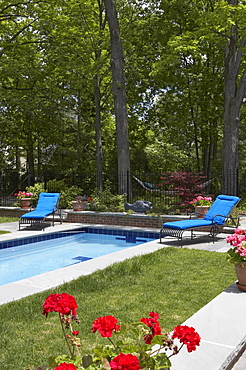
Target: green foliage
[(174, 73), (69, 194), (106, 201), (56, 186), (36, 190)]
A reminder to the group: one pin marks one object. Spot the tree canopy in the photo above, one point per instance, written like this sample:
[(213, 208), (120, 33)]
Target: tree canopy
[(184, 77)]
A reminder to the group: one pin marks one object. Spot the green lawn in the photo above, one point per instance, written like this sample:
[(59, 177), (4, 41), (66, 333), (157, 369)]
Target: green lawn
[(8, 219), (173, 282)]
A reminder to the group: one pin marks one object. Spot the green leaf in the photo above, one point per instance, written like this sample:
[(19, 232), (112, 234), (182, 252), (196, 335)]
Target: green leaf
[(87, 361), (157, 340), (163, 361)]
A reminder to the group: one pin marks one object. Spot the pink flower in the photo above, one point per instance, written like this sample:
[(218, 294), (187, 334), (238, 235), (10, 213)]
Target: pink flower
[(201, 201), (23, 194)]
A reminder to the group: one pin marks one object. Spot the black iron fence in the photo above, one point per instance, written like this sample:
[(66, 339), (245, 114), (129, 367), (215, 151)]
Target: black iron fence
[(140, 186)]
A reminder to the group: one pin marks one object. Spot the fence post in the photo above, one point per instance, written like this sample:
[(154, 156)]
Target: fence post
[(28, 179)]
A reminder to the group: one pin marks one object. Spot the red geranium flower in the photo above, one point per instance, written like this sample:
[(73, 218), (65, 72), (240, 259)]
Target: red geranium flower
[(63, 303), (75, 332), (65, 366), (105, 325), (188, 336), (153, 323), (125, 362)]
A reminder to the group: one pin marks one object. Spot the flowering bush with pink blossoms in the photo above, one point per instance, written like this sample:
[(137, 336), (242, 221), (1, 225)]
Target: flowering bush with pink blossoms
[(23, 194), (237, 253), (135, 346), (201, 201)]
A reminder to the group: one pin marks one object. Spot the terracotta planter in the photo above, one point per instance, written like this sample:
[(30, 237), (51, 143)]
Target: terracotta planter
[(77, 205), (241, 275), (25, 203), (202, 210)]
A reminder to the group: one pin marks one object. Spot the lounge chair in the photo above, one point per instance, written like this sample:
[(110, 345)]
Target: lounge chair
[(216, 217), (47, 205)]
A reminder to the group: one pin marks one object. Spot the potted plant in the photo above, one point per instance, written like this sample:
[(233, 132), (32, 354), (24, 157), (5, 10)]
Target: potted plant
[(24, 199), (202, 204), (129, 346), (237, 256), (77, 203), (81, 202)]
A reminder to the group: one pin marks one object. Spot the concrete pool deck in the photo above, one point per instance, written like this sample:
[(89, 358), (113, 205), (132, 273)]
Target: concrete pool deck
[(221, 323)]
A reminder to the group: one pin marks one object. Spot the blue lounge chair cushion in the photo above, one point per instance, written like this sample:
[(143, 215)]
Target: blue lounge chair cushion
[(186, 224), (222, 206)]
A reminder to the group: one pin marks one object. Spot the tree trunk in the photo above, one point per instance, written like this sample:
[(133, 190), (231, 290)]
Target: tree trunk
[(97, 94), (234, 92), (99, 154), (119, 94)]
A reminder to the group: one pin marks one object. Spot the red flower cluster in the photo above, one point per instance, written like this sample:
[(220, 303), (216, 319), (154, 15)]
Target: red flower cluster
[(105, 325), (153, 323), (125, 362), (65, 366), (188, 336), (63, 303)]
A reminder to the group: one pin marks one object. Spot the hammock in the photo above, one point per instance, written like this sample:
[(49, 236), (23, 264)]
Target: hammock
[(152, 187)]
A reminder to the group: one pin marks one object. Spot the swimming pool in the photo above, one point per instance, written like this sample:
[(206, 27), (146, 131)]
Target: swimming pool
[(23, 258)]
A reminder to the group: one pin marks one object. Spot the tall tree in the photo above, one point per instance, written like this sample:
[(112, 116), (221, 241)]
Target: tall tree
[(119, 93), (234, 92)]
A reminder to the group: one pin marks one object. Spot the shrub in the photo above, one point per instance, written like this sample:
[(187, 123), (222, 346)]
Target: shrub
[(187, 185), (36, 190), (106, 201), (69, 194), (56, 186)]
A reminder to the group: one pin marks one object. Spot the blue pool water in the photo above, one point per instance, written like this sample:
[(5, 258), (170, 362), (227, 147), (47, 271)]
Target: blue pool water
[(23, 258)]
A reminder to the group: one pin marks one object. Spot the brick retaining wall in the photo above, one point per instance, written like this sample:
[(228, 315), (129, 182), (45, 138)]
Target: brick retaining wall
[(122, 219), (104, 218), (12, 212)]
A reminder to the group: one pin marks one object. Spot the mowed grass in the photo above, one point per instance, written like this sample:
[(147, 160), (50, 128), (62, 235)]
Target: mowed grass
[(173, 282), (8, 219)]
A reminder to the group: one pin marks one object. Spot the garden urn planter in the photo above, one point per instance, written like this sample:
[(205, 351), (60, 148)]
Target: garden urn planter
[(202, 210), (25, 203), (241, 275), (77, 205)]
